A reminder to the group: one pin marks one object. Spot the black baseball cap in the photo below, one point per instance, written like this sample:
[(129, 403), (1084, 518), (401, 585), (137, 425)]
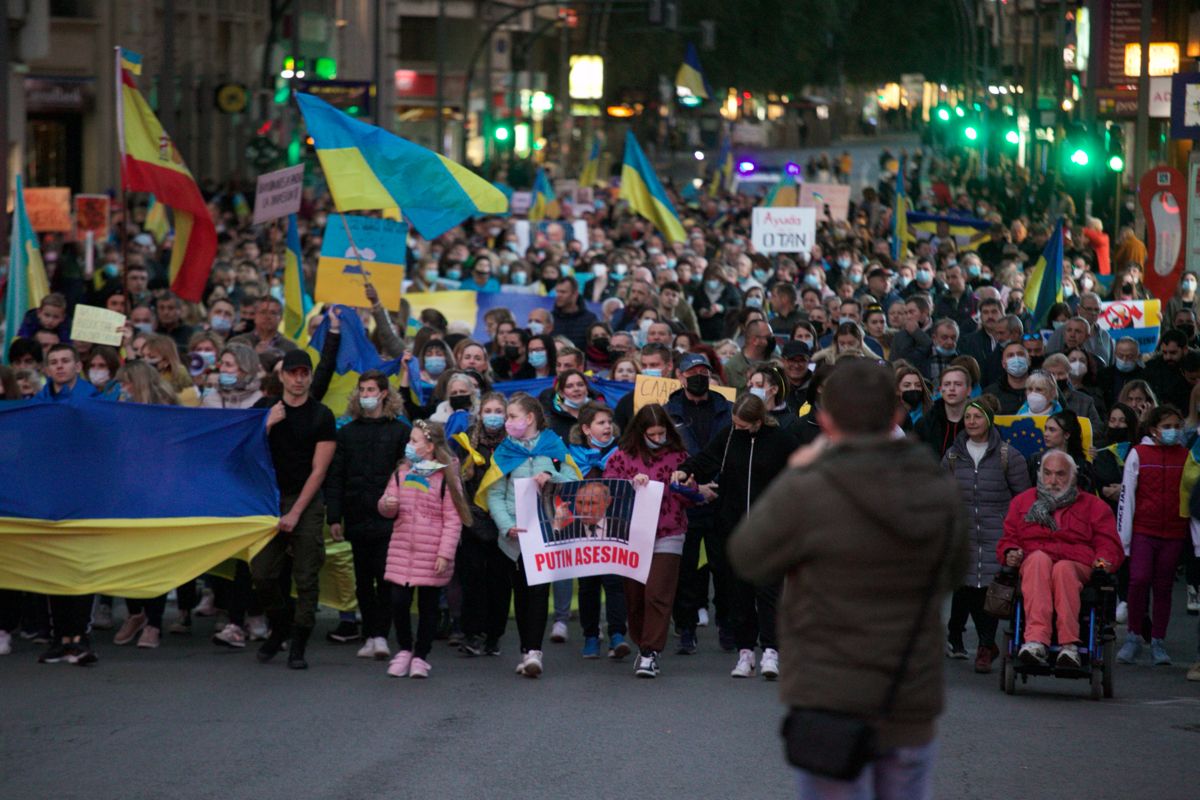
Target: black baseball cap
[(295, 359), (796, 348)]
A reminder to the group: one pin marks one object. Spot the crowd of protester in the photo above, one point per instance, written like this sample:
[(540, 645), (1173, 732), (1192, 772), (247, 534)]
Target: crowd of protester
[(397, 469)]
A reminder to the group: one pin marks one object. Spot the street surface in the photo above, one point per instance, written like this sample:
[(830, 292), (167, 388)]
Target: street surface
[(191, 721)]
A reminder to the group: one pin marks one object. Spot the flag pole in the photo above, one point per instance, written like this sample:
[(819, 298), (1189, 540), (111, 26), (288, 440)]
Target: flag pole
[(120, 113), (357, 257)]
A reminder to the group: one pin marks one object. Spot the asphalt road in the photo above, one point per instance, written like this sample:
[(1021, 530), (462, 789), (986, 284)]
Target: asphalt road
[(193, 721)]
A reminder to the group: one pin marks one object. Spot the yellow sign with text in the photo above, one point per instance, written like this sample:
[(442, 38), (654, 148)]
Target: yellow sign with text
[(649, 389)]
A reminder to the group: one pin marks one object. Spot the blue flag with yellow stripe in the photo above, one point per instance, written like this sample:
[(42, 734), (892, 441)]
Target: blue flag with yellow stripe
[(297, 302), (641, 188), (545, 203), (369, 168), (1043, 283)]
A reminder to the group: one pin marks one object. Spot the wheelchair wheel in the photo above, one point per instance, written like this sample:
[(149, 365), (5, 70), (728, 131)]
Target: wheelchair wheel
[(1110, 662), (1009, 675)]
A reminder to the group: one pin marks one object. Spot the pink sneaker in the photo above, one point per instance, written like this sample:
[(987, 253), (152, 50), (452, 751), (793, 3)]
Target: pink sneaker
[(419, 668), (399, 666), (151, 637), (129, 629)]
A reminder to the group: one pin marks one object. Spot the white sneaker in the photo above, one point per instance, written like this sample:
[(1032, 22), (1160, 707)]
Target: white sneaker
[(382, 653), (5, 643), (207, 606), (745, 665), (531, 664), (230, 636), (1033, 653), (367, 650), (769, 666), (1068, 656), (102, 620), (257, 628), (1122, 612), (702, 618), (558, 634), (1193, 599)]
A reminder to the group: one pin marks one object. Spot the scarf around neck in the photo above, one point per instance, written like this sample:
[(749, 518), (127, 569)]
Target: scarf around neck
[(1042, 510)]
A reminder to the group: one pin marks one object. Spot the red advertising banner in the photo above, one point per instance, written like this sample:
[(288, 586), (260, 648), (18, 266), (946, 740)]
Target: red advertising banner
[(1164, 199)]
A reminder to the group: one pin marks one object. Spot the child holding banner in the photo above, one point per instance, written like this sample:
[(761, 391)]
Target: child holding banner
[(652, 450)]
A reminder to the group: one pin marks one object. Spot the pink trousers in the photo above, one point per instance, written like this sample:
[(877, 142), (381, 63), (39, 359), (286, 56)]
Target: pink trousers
[(1051, 587)]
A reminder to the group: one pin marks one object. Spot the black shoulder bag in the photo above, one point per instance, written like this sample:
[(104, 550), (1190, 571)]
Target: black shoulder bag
[(837, 744)]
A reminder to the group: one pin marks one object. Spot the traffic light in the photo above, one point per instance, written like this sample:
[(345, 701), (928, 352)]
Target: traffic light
[(1012, 137), (943, 113), (971, 133), (1077, 145), (503, 134), (1116, 147)]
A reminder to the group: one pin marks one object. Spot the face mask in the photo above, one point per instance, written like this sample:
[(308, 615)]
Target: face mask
[(652, 373), (460, 402), (813, 281), (435, 365), (903, 281), (520, 278), (98, 377), (753, 302), (431, 276), (1117, 435), (712, 285), (600, 343), (620, 269), (1170, 436), (537, 358), (277, 293), (1078, 369), (973, 270), (111, 270), (697, 384), (855, 278), (144, 327), (454, 274), (1058, 323), (1037, 402), (537, 328), (569, 403), (651, 443), (1068, 291), (944, 352), (410, 452), (1017, 366), (493, 422), (924, 276), (671, 263), (644, 325), (1125, 365), (1187, 329), (493, 232), (1063, 386), (761, 275), (1189, 285), (844, 263), (368, 403), (227, 380), (221, 325), (759, 392), (209, 359), (516, 428), (599, 444), (912, 397)]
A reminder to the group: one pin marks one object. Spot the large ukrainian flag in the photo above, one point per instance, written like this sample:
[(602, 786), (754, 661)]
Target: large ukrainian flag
[(129, 499), (1043, 283), (368, 168), (640, 186)]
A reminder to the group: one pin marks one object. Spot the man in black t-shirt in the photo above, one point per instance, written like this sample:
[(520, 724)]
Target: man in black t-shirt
[(302, 435)]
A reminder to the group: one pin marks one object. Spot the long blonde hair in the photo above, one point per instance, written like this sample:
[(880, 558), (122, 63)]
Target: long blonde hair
[(164, 347), (147, 384), (436, 434)]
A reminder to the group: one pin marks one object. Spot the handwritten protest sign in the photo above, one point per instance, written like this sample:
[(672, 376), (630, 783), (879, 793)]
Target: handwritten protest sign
[(49, 209), (819, 195), (91, 216), (277, 194), (582, 528), (649, 389), (783, 230), (98, 325), (342, 273)]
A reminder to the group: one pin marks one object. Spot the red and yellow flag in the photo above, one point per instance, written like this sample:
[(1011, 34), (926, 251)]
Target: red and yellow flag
[(150, 163)]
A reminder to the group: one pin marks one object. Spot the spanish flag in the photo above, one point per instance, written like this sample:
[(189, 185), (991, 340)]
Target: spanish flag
[(297, 302), (545, 204), (689, 79), (150, 163), (1043, 283), (168, 523), (640, 186), (368, 168), (591, 167), (27, 282)]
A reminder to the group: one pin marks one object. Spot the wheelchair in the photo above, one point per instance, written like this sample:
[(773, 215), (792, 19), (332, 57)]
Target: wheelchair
[(1097, 647)]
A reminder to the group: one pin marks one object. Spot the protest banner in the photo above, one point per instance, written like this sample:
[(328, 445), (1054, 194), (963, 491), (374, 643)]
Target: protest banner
[(342, 273), (818, 195), (1139, 319), (783, 230), (648, 389), (1025, 433), (582, 528), (49, 209), (91, 216), (277, 194), (97, 325)]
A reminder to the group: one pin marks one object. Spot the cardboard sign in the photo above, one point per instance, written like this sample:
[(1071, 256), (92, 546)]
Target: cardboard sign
[(583, 528), (97, 325), (1139, 319), (818, 195), (783, 230), (343, 271), (648, 389), (91, 216), (49, 209), (277, 194)]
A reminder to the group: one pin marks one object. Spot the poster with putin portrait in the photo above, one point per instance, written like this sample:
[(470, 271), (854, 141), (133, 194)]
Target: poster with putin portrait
[(590, 527)]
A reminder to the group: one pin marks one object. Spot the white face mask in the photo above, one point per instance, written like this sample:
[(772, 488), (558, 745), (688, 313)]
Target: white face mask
[(1078, 369), (1037, 402)]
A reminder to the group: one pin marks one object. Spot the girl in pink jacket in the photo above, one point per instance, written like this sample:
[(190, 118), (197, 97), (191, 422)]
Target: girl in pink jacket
[(425, 496)]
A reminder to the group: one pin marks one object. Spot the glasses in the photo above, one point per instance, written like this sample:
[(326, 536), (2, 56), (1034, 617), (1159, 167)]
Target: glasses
[(1090, 309)]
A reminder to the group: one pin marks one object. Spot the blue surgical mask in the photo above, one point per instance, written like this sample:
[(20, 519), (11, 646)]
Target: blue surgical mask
[(435, 365), (227, 379), (1068, 290), (651, 443), (671, 262), (221, 324), (277, 292), (431, 275), (410, 452), (368, 403), (1058, 323), (812, 280), (493, 422), (1125, 365), (973, 270), (599, 444), (1017, 366), (712, 285), (537, 329), (759, 392), (209, 358), (144, 327), (1170, 436), (761, 275), (537, 358), (569, 403), (454, 274), (944, 352), (652, 373), (753, 302), (844, 263), (855, 278), (924, 276), (111, 270), (520, 278)]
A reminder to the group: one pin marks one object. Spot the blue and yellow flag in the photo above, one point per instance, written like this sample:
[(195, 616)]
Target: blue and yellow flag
[(368, 168), (156, 223), (27, 281), (509, 455), (899, 215), (689, 79), (968, 232), (590, 173), (1043, 282), (241, 207), (722, 169), (545, 204), (75, 534), (640, 186), (297, 302), (785, 194), (1026, 432), (131, 62)]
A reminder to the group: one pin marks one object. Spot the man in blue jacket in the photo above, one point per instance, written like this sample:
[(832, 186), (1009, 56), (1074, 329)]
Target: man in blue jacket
[(63, 383)]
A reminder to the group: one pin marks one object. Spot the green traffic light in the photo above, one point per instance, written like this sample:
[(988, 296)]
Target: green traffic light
[(501, 134), (1080, 158), (1012, 137), (971, 133), (944, 114), (959, 111), (1116, 163)]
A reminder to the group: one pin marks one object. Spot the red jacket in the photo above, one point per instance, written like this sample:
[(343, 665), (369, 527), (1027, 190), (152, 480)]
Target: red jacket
[(1087, 530), (1156, 502)]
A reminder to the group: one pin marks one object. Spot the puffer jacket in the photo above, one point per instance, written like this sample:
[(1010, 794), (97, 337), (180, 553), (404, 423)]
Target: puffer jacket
[(426, 526), (367, 453), (987, 490)]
